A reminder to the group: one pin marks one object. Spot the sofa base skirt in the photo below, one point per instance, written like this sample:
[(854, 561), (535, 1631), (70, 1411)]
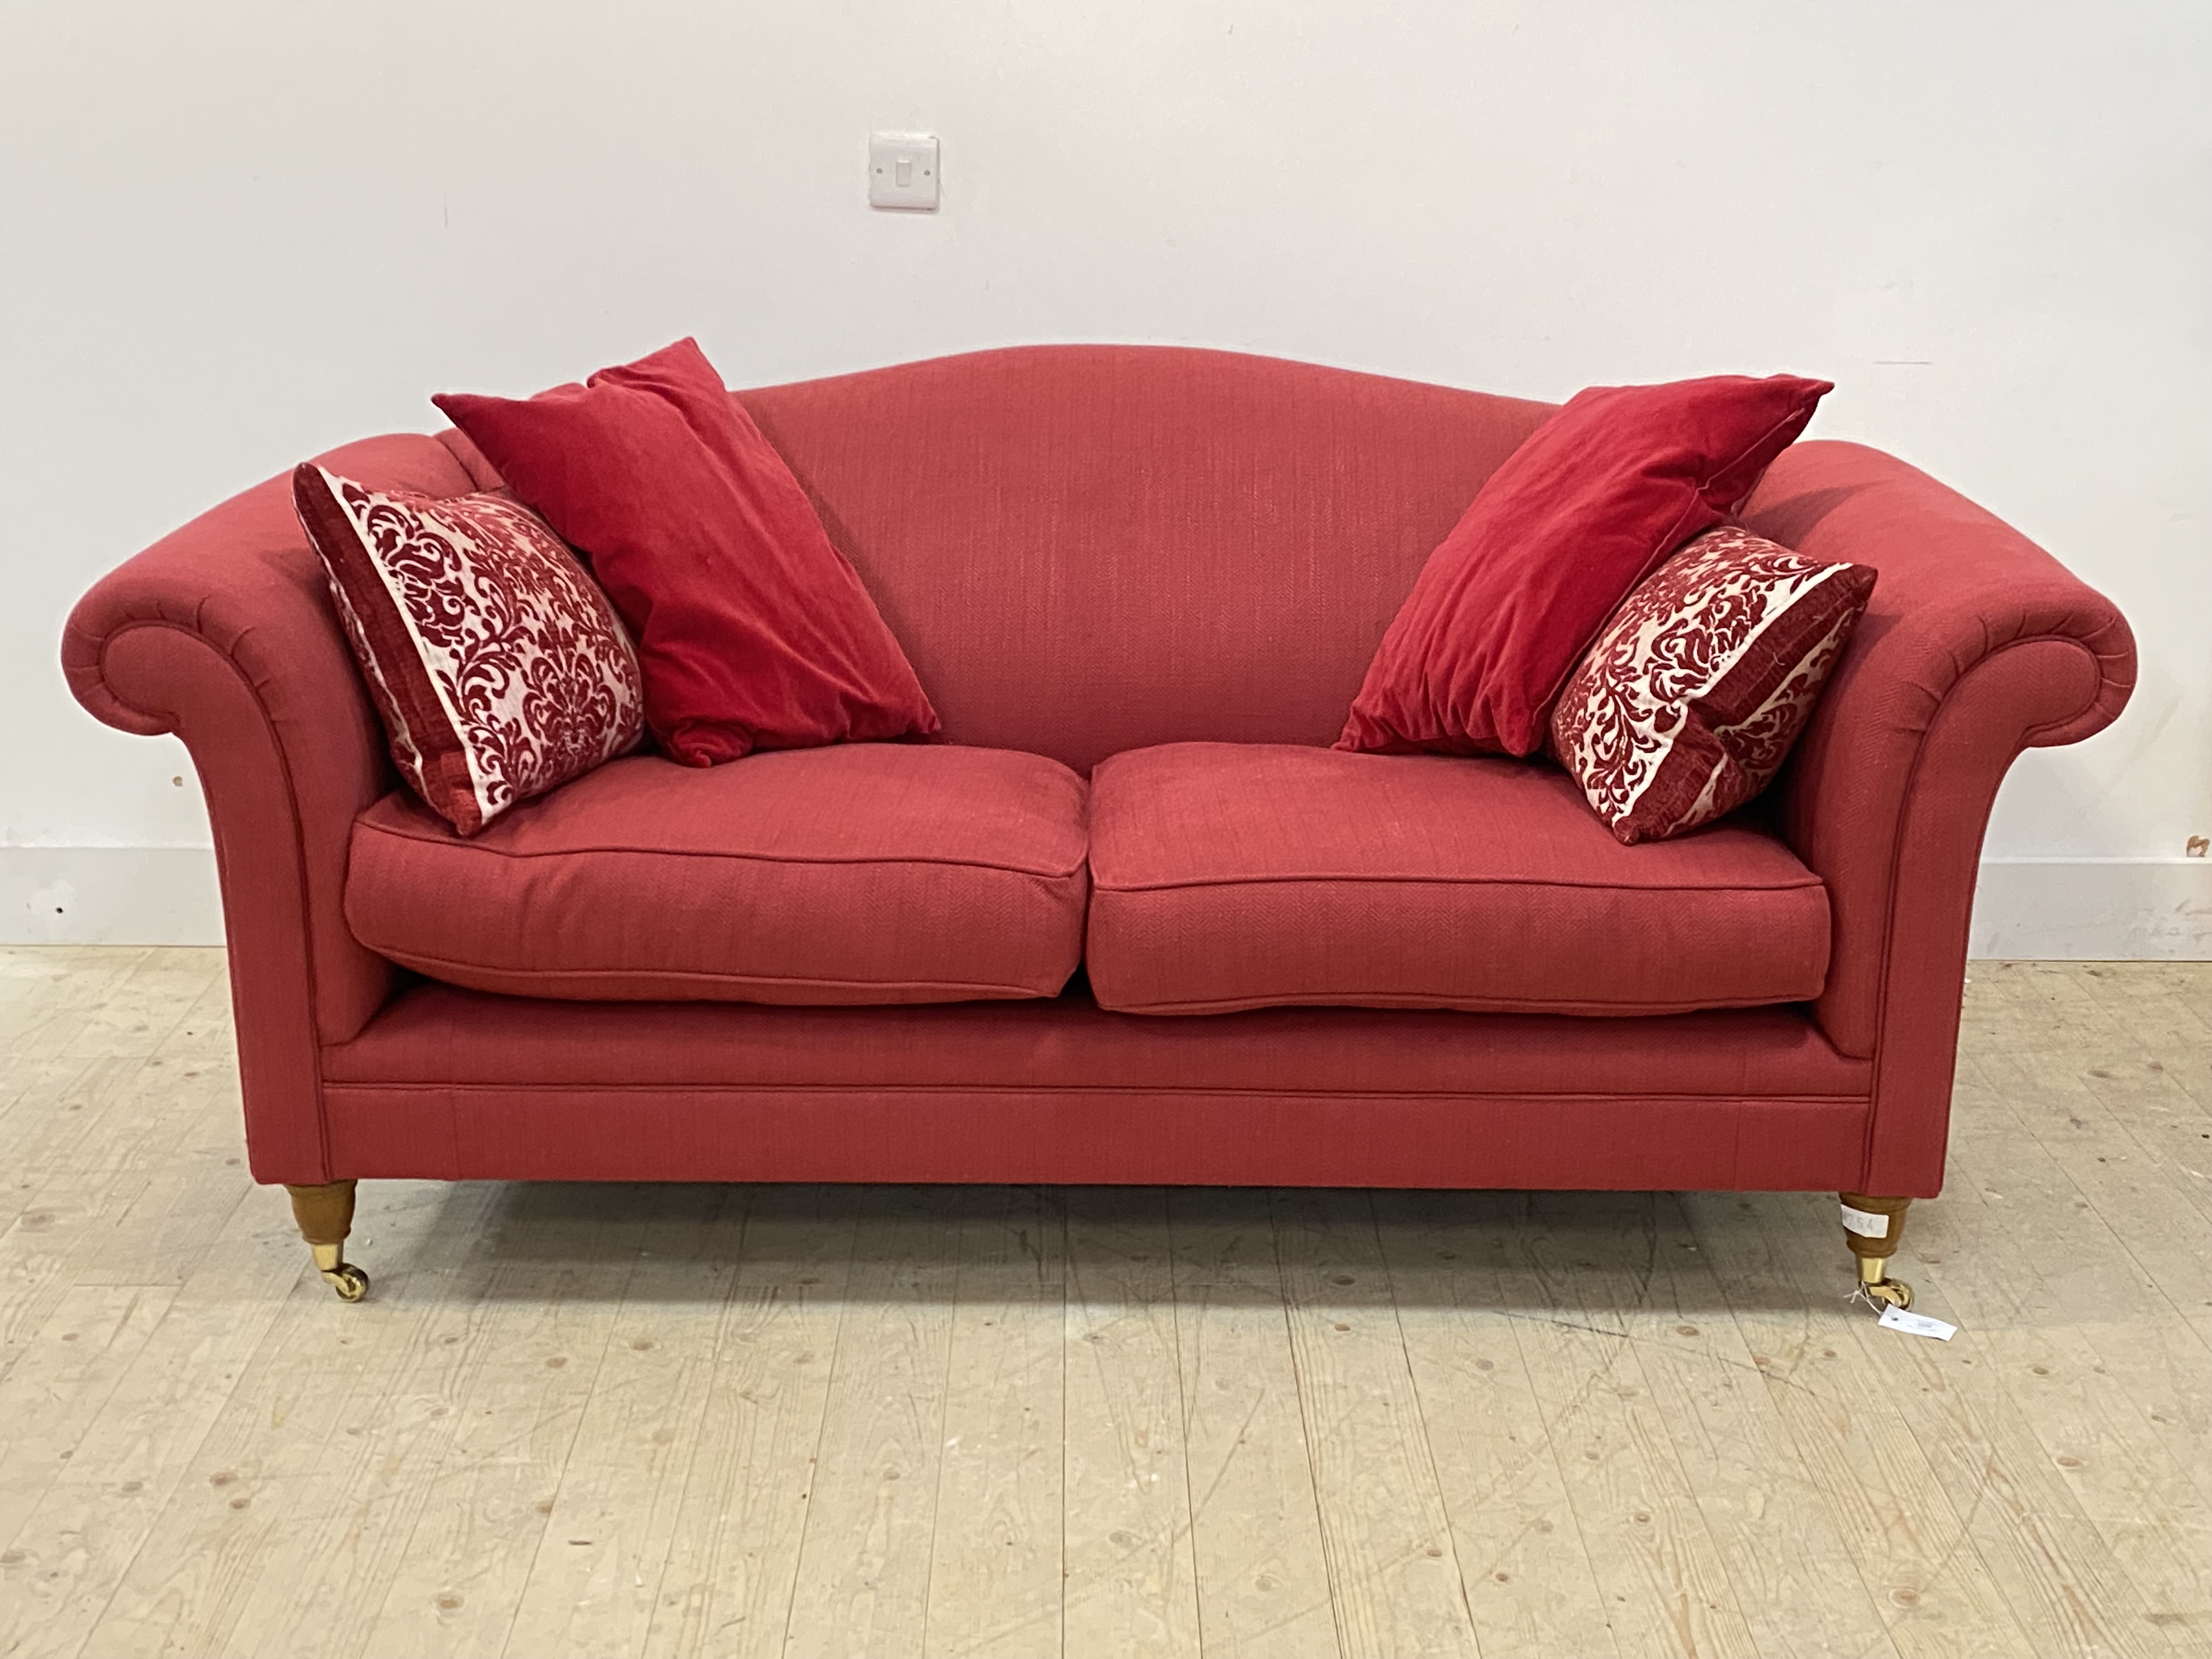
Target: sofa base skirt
[(1083, 1137)]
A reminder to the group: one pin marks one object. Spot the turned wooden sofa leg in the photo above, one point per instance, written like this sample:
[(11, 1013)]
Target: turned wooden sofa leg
[(326, 1217), (1872, 1227)]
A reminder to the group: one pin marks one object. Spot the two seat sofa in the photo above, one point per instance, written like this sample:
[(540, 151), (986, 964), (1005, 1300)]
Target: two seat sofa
[(1133, 921)]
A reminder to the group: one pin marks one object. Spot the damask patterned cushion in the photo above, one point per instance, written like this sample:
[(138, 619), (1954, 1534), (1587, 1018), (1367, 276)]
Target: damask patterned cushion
[(500, 669), (1694, 691)]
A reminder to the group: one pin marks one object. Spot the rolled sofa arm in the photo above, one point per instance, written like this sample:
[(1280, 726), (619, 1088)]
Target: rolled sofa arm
[(1977, 644), (223, 633)]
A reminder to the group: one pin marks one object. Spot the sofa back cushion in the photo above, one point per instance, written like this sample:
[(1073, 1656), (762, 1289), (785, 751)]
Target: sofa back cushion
[(1089, 549)]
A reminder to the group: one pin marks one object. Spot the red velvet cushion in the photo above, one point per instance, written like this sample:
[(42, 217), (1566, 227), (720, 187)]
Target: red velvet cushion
[(858, 873), (1229, 876), (1687, 704), (498, 668), (753, 631), (1551, 543)]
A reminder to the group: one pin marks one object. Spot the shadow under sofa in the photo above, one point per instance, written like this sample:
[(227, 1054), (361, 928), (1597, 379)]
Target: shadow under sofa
[(1140, 586)]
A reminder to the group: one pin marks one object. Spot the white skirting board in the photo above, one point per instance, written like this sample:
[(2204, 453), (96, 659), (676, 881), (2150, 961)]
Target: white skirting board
[(2093, 910), (109, 896), (2074, 909)]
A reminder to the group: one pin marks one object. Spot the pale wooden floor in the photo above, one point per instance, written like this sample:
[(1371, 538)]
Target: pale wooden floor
[(576, 1421)]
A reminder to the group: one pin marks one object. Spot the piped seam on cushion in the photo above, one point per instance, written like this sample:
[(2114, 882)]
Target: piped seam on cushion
[(433, 965), (478, 849), (1727, 514), (1808, 883), (1443, 1004)]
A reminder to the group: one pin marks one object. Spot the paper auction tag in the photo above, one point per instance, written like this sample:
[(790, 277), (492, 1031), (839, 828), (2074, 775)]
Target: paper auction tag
[(1866, 1223), (1913, 1324)]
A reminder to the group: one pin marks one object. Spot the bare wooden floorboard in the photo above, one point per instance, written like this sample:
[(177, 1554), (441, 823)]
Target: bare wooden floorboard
[(863, 1558), (752, 1456), (1589, 1260), (995, 1567), (2116, 1391), (65, 1221), (63, 1378), (596, 1582), (1131, 1571), (2113, 1175), (761, 1421), (2042, 1557), (1749, 1482), (1394, 1569), (530, 1350), (1255, 1519), (298, 1503), (1932, 1594), (49, 994), (69, 1556), (1529, 1584)]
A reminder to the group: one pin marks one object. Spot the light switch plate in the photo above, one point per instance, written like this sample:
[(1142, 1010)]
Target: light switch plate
[(902, 171)]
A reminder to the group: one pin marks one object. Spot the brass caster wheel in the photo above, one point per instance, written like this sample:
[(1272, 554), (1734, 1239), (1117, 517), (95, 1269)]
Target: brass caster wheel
[(326, 1217), (348, 1280), (1895, 1292), (1872, 1227)]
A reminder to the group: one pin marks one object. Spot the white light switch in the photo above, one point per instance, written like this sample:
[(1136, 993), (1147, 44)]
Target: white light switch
[(902, 171)]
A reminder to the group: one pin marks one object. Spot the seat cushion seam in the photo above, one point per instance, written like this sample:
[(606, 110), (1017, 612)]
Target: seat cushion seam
[(1809, 883), (1053, 872), (433, 965)]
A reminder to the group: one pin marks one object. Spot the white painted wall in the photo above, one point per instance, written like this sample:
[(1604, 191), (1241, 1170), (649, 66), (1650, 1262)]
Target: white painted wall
[(234, 233)]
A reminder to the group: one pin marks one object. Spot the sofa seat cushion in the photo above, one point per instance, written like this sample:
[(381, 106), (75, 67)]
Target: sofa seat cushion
[(854, 873), (1229, 876)]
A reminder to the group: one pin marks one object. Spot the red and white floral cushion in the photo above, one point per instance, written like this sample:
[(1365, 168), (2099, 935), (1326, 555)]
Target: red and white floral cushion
[(499, 667), (1694, 691)]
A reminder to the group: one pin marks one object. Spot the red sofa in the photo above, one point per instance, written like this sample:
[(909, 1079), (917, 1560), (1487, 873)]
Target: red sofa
[(1141, 585)]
